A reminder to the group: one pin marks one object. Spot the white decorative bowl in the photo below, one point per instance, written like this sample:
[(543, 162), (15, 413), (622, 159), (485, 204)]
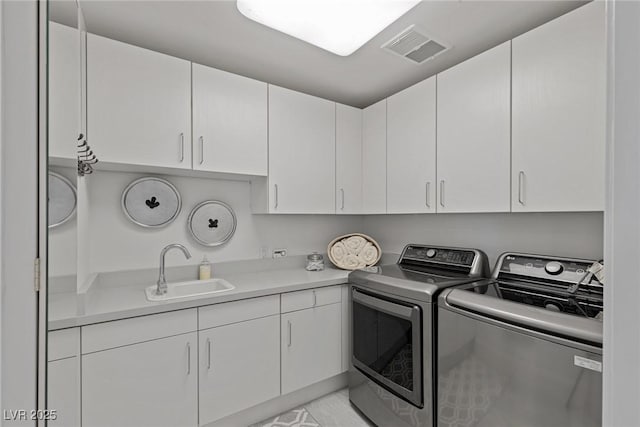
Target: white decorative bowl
[(354, 251)]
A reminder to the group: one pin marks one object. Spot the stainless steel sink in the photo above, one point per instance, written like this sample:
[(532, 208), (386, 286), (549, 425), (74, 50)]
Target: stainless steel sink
[(192, 288)]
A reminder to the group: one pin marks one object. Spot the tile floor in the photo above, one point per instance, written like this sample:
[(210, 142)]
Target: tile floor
[(332, 410)]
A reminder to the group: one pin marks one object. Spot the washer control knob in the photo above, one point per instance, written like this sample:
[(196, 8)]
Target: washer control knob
[(431, 253), (554, 268)]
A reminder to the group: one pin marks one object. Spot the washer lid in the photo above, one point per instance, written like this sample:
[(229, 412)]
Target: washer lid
[(62, 199), (483, 299), (151, 202), (212, 223)]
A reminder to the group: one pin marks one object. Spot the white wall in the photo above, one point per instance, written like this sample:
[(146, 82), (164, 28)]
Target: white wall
[(18, 230), (63, 239), (565, 234), (118, 244), (622, 226)]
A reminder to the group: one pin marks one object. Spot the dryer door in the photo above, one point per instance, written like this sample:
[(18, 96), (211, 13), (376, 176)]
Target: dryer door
[(387, 344)]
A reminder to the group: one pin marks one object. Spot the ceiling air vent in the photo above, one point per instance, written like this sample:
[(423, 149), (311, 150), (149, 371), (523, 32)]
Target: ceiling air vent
[(414, 45)]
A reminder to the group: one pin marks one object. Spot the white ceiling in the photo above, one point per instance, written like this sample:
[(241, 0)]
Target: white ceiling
[(214, 33)]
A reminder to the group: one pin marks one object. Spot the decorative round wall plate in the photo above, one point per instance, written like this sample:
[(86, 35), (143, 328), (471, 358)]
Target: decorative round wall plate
[(354, 251), (151, 202), (212, 223), (62, 199)]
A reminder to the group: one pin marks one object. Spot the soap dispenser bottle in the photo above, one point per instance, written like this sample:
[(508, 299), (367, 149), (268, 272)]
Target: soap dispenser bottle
[(204, 272)]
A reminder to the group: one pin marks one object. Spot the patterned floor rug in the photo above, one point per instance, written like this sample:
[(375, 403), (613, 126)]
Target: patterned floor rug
[(296, 418)]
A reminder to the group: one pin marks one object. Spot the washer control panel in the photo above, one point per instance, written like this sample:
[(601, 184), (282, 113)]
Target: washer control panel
[(557, 269), (428, 254)]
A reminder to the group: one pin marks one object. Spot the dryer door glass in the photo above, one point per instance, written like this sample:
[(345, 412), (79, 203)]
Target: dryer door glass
[(386, 344)]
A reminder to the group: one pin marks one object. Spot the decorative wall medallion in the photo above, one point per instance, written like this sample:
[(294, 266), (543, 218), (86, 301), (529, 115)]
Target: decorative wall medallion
[(212, 223), (62, 199), (151, 202)]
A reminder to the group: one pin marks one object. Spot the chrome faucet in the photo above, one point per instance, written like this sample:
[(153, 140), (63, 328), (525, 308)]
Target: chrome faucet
[(162, 282)]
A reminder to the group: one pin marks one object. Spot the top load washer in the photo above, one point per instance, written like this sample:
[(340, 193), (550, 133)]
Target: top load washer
[(524, 347), (391, 379)]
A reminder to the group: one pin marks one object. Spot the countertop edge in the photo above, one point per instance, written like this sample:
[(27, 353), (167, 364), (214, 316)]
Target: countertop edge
[(186, 304)]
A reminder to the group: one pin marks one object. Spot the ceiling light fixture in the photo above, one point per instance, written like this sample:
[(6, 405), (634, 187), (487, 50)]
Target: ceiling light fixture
[(339, 26)]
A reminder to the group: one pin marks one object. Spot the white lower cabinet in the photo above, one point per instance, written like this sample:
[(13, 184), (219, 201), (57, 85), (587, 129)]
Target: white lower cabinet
[(239, 367), (63, 392), (311, 346), (153, 383), (158, 371), (63, 377), (346, 328)]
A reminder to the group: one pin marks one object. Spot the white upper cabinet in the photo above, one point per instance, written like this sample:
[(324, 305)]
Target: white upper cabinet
[(411, 149), (229, 122), (374, 158), (474, 134), (559, 100), (302, 153), (139, 105), (348, 160), (64, 90)]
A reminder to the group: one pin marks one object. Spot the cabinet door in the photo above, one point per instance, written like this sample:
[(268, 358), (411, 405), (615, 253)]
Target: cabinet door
[(311, 346), (148, 384), (239, 367), (139, 105), (411, 149), (229, 122), (374, 158), (559, 100), (301, 153), (64, 90), (348, 160), (346, 328), (474, 134), (63, 391)]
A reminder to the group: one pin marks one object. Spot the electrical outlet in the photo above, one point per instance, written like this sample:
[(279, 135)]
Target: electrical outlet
[(279, 253)]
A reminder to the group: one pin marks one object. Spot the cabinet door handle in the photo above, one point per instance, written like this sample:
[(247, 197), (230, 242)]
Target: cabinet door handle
[(442, 193), (342, 205), (208, 354), (275, 196), (315, 299), (289, 328), (201, 149), (181, 147), (521, 188), (188, 358), (427, 194)]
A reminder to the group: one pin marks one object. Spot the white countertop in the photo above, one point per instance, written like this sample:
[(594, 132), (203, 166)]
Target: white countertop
[(106, 303)]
